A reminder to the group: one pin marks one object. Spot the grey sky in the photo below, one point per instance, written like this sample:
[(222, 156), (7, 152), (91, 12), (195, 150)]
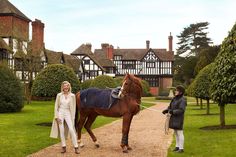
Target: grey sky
[(125, 23)]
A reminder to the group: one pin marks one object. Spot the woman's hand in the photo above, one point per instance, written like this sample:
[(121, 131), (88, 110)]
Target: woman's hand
[(165, 111), (58, 120)]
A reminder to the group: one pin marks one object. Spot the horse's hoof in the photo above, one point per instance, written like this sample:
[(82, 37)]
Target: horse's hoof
[(97, 144), (129, 148), (81, 145), (125, 149)]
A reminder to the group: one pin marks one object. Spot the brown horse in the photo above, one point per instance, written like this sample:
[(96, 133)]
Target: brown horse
[(127, 106)]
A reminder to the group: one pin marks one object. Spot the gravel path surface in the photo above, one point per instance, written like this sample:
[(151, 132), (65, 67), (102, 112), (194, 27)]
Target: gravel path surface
[(146, 137)]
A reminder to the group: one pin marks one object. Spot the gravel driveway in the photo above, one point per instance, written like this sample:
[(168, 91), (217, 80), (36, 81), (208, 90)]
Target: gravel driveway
[(146, 137)]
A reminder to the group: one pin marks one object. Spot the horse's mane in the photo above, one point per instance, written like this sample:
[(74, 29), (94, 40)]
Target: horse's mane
[(137, 81)]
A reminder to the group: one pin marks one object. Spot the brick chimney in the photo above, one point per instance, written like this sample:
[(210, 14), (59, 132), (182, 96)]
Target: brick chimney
[(89, 46), (110, 52), (147, 44), (170, 42), (37, 36), (104, 46)]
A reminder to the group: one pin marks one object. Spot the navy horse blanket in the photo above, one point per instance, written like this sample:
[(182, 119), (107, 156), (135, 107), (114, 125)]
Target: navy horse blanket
[(98, 98)]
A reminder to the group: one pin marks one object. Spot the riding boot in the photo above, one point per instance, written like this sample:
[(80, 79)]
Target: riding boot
[(63, 150), (176, 149), (76, 150)]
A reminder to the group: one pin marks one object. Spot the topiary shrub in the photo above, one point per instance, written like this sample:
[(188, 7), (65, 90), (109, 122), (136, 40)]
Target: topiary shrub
[(11, 93), (146, 88), (86, 84), (118, 81), (48, 81), (103, 81)]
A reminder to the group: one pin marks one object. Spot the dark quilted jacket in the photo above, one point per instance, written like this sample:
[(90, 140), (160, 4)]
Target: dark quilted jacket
[(177, 105)]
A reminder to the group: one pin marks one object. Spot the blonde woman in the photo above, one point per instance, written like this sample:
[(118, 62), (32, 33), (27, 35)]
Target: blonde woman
[(64, 116)]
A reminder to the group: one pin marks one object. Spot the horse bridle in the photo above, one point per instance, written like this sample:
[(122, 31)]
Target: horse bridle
[(121, 92)]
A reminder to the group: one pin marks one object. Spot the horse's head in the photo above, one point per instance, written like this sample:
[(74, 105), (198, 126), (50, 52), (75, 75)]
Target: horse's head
[(131, 86)]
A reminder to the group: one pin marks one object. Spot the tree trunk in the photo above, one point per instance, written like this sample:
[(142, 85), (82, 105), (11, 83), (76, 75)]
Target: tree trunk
[(28, 93), (197, 101), (201, 103), (208, 107), (222, 115)]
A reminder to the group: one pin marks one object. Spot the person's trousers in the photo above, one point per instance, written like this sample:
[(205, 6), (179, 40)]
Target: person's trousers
[(65, 115), (179, 136)]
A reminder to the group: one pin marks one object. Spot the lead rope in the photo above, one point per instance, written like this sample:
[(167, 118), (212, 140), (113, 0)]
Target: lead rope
[(167, 123), (166, 126)]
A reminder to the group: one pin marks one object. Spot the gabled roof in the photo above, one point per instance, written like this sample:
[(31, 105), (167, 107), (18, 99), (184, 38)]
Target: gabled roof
[(6, 8), (162, 54), (53, 57), (102, 59), (106, 62), (130, 54), (93, 58), (72, 62), (136, 54), (82, 50)]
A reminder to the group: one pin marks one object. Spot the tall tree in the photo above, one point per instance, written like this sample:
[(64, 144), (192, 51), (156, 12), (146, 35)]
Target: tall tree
[(184, 69), (206, 56), (202, 85), (193, 38), (224, 74)]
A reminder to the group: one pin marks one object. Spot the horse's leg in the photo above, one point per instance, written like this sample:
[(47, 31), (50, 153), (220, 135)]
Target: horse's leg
[(87, 126), (80, 126), (127, 118)]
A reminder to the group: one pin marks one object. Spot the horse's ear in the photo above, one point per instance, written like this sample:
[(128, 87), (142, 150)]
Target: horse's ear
[(127, 74)]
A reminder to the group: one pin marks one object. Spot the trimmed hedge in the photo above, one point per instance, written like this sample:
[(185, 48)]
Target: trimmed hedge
[(118, 81), (48, 81), (146, 88), (86, 84), (11, 92), (103, 81)]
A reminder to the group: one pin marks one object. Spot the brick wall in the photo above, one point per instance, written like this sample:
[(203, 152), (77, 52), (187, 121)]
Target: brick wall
[(5, 26), (154, 91), (11, 26), (166, 83)]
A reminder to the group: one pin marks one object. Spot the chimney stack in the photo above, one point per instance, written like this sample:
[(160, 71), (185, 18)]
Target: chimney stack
[(170, 42), (89, 46), (37, 37), (110, 52), (104, 46), (147, 44)]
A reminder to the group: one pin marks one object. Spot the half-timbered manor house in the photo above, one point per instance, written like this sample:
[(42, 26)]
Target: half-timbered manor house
[(153, 65), (24, 55)]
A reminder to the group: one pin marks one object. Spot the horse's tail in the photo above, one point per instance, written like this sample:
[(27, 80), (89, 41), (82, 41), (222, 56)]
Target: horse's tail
[(77, 97)]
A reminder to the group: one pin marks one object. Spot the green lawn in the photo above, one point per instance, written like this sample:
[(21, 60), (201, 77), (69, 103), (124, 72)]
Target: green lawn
[(211, 143), (19, 134)]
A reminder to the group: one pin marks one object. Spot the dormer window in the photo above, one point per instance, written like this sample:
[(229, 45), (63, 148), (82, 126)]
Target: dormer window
[(117, 57)]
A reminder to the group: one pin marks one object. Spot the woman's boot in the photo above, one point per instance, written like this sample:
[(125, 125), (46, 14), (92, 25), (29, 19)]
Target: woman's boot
[(76, 150), (63, 150)]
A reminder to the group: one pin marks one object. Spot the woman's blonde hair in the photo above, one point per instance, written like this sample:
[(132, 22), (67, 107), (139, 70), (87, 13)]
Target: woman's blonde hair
[(65, 82)]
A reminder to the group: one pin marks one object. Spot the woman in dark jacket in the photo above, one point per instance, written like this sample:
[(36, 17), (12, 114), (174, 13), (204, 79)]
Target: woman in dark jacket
[(177, 109)]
